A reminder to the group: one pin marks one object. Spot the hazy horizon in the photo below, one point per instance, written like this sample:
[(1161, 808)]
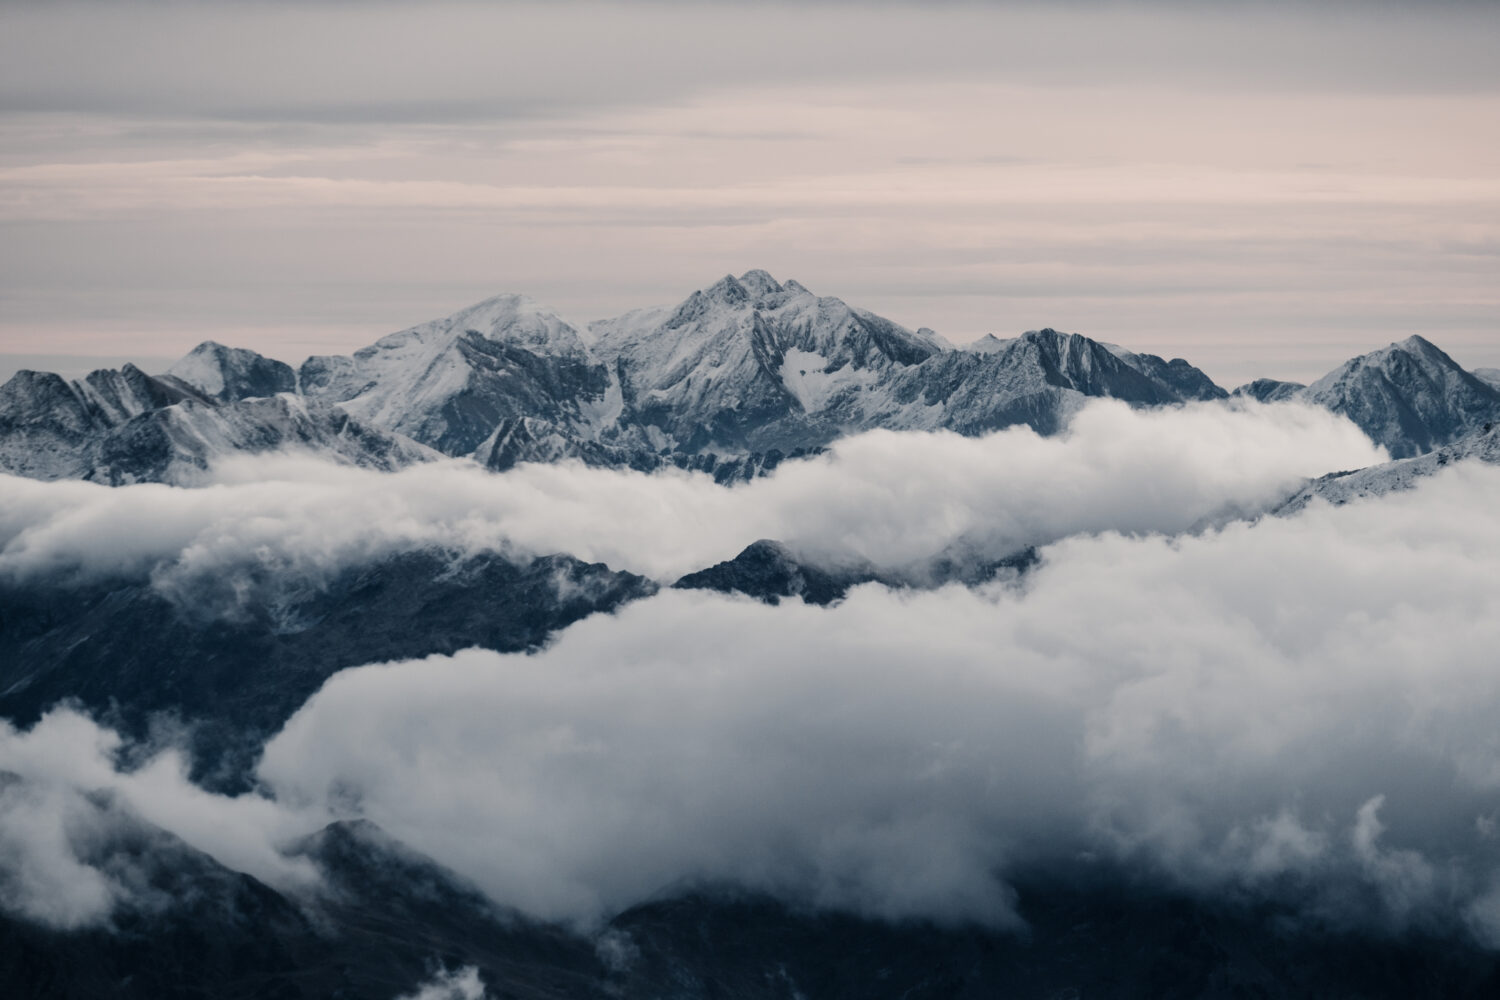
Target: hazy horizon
[(1263, 189), (75, 366)]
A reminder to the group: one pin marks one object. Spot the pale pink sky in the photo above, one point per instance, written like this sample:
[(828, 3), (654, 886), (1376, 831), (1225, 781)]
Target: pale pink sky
[(1264, 189)]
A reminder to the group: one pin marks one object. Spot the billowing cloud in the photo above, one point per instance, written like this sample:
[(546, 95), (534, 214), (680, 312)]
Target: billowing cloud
[(1301, 702), (63, 792), (889, 498), (1293, 708)]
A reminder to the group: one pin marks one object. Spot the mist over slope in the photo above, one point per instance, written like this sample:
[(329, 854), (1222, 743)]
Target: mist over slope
[(229, 605), (1247, 711)]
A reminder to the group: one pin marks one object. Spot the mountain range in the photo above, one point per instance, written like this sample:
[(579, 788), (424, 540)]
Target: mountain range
[(731, 381), (739, 377)]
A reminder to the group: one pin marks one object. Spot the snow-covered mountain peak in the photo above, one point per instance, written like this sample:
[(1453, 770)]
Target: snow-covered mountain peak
[(934, 338), (202, 367), (741, 365), (1401, 359), (754, 284), (1073, 361), (502, 319), (989, 344), (760, 283), (728, 290), (1417, 344), (231, 373), (1404, 362), (1069, 349), (1269, 390), (452, 382), (1047, 335), (753, 290), (1410, 396), (755, 315)]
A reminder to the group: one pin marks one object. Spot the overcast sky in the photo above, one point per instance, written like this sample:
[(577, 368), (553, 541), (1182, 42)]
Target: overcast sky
[(1265, 189)]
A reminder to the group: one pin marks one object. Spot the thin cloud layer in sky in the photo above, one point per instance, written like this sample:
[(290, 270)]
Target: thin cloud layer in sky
[(1265, 189)]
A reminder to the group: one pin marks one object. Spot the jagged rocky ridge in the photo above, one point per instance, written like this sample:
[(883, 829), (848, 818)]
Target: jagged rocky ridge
[(124, 426), (735, 379), (732, 381)]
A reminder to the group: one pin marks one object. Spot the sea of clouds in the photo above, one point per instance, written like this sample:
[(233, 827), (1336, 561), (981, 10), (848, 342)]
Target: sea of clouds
[(884, 497), (1298, 708)]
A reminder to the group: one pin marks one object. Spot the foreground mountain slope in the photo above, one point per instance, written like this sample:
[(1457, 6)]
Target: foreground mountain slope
[(379, 924), (385, 919), (237, 661)]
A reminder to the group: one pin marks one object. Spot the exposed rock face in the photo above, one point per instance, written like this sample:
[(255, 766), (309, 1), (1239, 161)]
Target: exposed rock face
[(1269, 390), (451, 383), (229, 373), (1187, 381), (732, 380), (53, 429), (125, 426), (770, 571), (1410, 397), (749, 364)]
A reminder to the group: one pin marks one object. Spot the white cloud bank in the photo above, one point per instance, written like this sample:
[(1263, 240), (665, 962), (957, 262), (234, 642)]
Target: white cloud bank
[(1300, 707), (1229, 709), (61, 793), (890, 498)]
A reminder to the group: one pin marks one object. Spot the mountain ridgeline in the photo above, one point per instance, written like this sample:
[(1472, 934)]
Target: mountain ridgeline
[(733, 380)]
